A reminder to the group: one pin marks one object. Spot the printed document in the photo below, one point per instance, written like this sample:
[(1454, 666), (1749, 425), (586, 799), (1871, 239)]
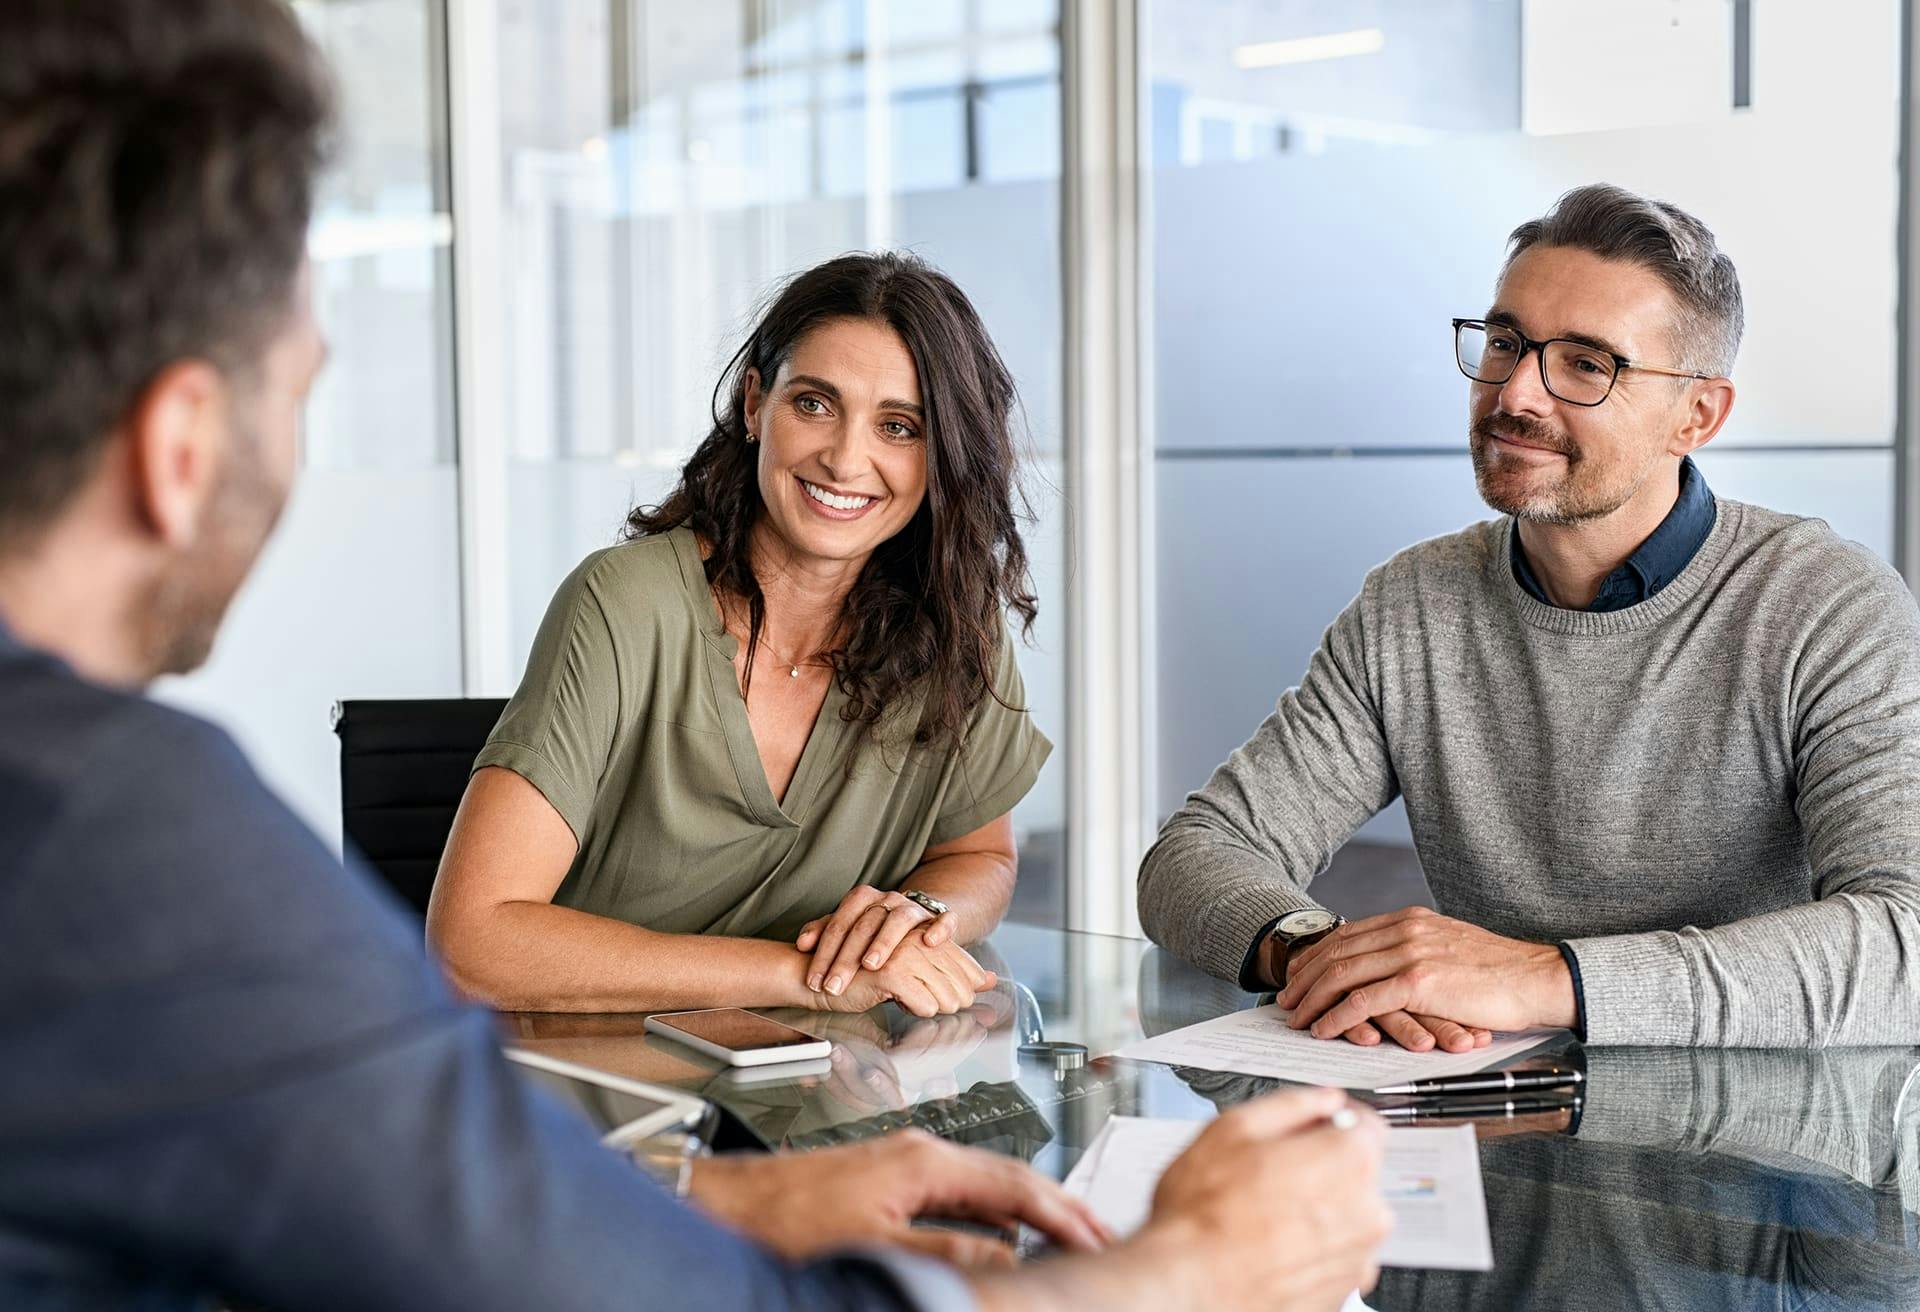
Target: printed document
[(1431, 1180), (1259, 1042)]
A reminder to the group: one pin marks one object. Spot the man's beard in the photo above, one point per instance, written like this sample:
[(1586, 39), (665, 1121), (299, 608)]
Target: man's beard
[(1565, 501), (184, 605)]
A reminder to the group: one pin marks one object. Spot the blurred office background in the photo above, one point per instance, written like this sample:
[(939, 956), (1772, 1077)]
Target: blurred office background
[(1218, 242)]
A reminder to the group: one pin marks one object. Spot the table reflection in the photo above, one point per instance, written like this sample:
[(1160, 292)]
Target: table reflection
[(1702, 1180)]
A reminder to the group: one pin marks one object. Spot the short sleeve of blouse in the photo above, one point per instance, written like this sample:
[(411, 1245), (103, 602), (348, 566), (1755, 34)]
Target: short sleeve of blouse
[(557, 733), (1001, 757)]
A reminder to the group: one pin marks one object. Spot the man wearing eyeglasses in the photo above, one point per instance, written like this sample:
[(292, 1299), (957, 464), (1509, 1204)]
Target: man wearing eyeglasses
[(1660, 750)]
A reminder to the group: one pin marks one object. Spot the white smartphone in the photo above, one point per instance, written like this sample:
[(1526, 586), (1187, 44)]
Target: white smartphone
[(750, 1077), (737, 1037), (620, 1110)]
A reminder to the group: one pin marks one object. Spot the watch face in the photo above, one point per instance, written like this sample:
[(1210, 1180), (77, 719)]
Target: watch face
[(1310, 921)]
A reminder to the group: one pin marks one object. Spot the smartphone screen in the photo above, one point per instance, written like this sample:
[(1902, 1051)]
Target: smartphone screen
[(736, 1030)]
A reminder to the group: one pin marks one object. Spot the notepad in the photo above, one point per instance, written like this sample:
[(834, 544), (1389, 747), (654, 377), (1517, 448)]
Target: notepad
[(1259, 1042), (1430, 1180)]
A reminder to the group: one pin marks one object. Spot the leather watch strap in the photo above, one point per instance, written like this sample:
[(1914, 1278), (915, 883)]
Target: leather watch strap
[(1279, 949)]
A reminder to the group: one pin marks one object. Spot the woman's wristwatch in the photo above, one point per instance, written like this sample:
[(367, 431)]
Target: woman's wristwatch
[(925, 901), (1296, 930)]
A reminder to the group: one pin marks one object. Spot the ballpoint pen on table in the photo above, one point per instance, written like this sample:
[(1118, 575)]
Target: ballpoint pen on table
[(1552, 1077), (1468, 1108)]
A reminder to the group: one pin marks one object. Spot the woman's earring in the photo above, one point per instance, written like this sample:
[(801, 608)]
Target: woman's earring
[(751, 438)]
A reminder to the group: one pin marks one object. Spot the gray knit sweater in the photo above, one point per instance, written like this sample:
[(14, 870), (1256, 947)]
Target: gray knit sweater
[(1713, 796)]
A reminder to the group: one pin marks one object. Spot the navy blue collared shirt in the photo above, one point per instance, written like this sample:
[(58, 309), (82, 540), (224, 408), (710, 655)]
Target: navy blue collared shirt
[(1659, 559)]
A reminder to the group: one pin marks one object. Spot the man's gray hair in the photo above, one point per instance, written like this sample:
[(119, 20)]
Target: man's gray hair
[(1615, 224)]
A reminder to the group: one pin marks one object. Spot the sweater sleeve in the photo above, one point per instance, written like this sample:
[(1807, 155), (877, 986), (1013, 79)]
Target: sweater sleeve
[(1243, 849), (1844, 968)]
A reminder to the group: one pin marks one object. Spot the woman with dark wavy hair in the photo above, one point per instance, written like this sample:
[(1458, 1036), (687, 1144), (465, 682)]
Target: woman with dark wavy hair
[(765, 749)]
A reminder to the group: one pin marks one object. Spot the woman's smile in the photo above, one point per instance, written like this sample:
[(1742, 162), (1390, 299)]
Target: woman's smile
[(835, 505)]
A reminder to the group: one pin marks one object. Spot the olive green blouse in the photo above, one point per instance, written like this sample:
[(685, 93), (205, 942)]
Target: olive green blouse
[(631, 723)]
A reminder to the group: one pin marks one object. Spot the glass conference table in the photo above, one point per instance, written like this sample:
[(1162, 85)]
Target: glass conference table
[(1693, 1180)]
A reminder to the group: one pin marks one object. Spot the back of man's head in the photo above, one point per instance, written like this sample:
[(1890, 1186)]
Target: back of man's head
[(156, 180)]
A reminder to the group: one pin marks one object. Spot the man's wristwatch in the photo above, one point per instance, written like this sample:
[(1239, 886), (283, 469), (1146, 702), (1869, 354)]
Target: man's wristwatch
[(1296, 930), (925, 901), (669, 1158)]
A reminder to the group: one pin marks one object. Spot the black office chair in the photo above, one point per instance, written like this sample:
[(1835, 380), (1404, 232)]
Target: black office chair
[(403, 767)]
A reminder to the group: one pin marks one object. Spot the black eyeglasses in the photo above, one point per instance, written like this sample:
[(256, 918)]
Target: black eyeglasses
[(1578, 373)]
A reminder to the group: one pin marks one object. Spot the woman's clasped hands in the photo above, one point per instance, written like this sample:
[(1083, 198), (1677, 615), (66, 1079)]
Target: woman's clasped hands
[(880, 947)]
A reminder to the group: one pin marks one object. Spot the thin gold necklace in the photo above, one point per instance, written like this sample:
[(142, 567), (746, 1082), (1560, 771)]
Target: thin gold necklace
[(793, 666)]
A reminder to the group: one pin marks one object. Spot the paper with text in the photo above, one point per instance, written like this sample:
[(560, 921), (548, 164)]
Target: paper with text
[(1431, 1180), (1259, 1042)]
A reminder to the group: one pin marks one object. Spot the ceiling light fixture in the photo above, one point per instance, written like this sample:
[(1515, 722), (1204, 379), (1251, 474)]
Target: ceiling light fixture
[(1310, 49)]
